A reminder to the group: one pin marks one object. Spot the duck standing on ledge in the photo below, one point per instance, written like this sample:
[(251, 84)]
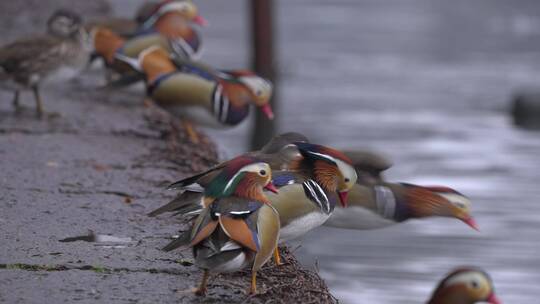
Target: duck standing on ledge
[(237, 227), (311, 179), (309, 192), (197, 93), (169, 27), (61, 53), (278, 153), (468, 285)]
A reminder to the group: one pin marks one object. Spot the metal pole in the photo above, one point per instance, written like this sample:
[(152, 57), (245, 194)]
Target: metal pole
[(262, 57)]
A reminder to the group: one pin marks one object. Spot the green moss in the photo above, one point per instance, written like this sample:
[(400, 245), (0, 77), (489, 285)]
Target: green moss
[(99, 269)]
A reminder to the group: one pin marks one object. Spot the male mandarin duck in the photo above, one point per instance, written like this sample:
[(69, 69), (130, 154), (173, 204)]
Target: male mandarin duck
[(201, 94), (237, 227), (26, 63), (311, 179), (278, 153), (168, 26), (308, 193), (375, 203), (466, 285)]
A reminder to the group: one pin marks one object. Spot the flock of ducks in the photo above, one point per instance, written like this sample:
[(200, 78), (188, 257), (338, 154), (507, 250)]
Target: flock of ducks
[(243, 208)]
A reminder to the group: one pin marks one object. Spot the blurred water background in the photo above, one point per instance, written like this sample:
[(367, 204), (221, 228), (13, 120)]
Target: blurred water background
[(427, 83)]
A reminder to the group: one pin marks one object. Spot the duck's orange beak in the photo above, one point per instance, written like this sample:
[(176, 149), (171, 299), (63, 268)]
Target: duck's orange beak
[(270, 187), (472, 223), (343, 197), (200, 20), (493, 299), (267, 110)]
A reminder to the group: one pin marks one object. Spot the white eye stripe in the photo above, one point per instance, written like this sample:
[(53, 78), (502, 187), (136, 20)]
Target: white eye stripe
[(346, 170), (456, 199), (254, 83), (467, 277), (256, 167)]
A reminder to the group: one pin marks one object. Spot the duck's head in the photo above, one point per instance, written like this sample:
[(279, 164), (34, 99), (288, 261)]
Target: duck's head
[(184, 8), (426, 201), (467, 285), (64, 23), (331, 169), (260, 91), (243, 176), (369, 165)]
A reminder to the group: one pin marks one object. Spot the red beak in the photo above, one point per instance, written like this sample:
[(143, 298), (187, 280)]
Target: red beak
[(267, 110), (493, 299), (472, 223), (200, 20), (271, 187), (343, 196)]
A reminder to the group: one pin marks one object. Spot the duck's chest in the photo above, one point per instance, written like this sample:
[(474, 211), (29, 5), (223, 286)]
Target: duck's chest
[(302, 225)]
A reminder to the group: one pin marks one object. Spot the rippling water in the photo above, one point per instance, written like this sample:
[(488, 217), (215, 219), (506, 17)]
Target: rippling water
[(427, 83)]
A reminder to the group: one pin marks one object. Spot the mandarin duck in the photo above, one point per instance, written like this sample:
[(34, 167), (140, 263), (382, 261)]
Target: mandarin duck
[(238, 227), (375, 203), (466, 285), (128, 27), (169, 27), (278, 153), (198, 93), (311, 180), (59, 54), (308, 192)]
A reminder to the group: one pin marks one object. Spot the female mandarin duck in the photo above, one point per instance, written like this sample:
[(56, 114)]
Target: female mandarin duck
[(312, 179), (198, 93), (237, 227), (26, 63), (168, 27), (465, 286), (374, 203)]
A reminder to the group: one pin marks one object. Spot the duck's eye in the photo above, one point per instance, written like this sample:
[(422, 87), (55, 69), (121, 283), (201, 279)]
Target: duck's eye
[(460, 205), (258, 92), (262, 172), (475, 284), (347, 180)]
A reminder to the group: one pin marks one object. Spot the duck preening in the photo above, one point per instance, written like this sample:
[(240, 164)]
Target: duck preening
[(238, 227), (466, 285), (61, 53)]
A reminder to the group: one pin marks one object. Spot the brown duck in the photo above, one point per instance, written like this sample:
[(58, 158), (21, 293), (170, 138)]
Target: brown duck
[(61, 53)]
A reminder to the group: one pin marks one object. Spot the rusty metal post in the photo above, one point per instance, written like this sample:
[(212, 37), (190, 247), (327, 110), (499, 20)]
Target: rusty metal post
[(262, 58)]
